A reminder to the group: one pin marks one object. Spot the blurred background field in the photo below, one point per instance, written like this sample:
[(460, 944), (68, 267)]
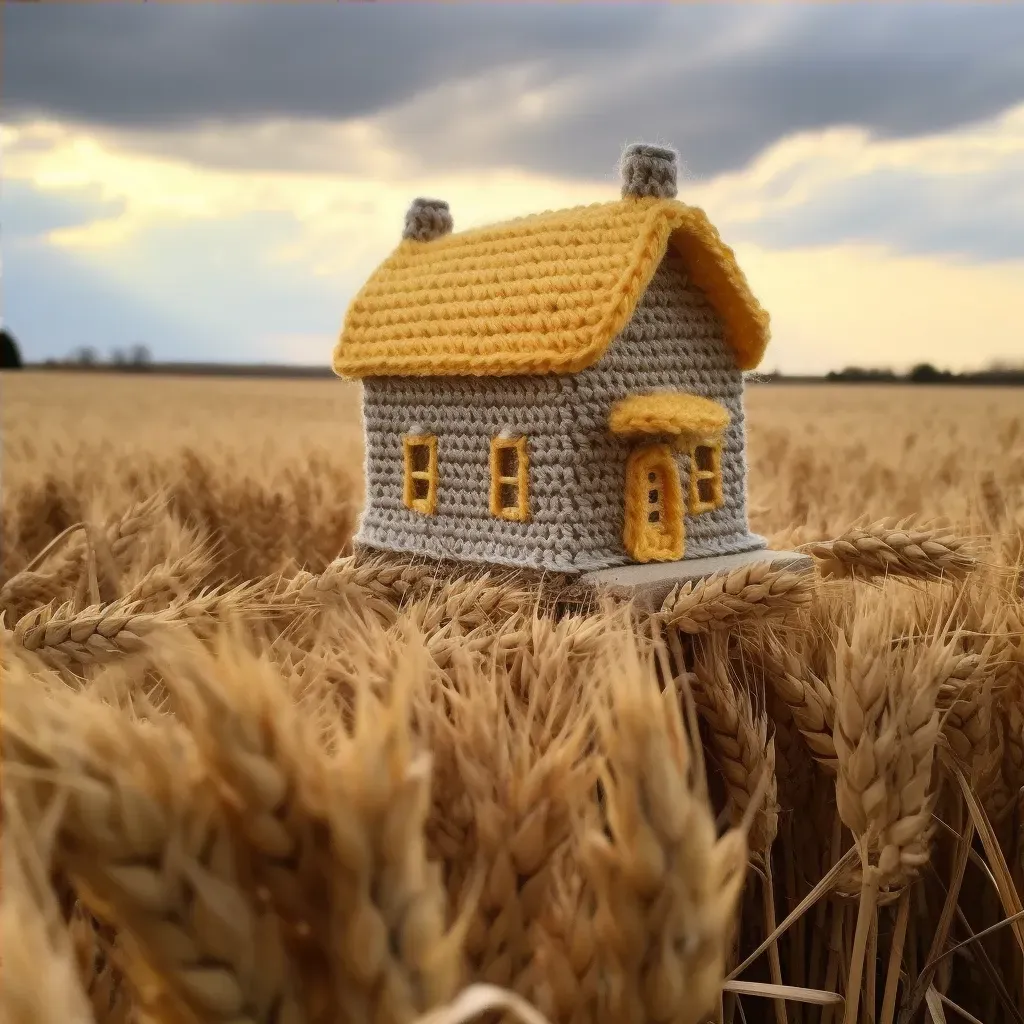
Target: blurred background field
[(820, 456)]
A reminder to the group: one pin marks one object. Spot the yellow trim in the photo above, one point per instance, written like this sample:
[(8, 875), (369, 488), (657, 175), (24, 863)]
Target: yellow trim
[(714, 474), (668, 412), (520, 512), (644, 541), (541, 294), (428, 504)]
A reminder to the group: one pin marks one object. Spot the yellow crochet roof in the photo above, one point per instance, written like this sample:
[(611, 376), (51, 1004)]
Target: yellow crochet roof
[(541, 294)]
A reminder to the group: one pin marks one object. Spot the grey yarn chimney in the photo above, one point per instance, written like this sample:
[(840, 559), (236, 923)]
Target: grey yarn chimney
[(648, 171), (427, 219)]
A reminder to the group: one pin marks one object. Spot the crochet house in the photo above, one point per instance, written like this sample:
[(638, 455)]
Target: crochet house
[(562, 391)]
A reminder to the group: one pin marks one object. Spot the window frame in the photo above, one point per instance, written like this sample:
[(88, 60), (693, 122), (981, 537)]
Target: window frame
[(520, 512), (425, 506), (714, 474)]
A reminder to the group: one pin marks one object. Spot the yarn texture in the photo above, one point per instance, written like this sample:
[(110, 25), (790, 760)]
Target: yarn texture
[(542, 294), (577, 466), (649, 171), (427, 219), (649, 473), (670, 413), (561, 392)]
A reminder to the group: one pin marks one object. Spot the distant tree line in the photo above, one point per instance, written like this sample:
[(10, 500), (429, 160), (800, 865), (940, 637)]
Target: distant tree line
[(1005, 374), (926, 373), (137, 357)]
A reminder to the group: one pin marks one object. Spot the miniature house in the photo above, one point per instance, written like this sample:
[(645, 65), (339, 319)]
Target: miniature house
[(562, 391)]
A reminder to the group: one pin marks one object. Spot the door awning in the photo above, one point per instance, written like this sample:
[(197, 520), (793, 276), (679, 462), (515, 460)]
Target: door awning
[(690, 418)]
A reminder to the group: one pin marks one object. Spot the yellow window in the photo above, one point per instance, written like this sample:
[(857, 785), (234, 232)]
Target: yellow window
[(706, 478), (510, 479), (421, 473)]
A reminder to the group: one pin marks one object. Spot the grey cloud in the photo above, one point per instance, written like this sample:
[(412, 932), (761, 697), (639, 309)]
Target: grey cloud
[(720, 82), (138, 66), (974, 218), (898, 71)]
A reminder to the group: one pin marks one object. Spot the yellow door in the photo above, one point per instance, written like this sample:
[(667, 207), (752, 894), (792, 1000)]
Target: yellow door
[(654, 529)]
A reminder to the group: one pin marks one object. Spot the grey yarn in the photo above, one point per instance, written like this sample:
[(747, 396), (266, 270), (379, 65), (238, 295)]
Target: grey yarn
[(576, 467), (648, 171), (427, 219)]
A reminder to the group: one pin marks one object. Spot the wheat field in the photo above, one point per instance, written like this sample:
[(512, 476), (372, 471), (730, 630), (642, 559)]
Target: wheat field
[(248, 777)]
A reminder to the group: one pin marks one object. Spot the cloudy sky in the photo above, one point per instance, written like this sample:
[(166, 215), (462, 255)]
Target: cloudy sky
[(217, 180)]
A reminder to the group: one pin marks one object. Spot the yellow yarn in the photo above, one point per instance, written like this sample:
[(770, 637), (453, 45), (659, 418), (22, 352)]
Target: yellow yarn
[(673, 413), (520, 511), (541, 294), (427, 504), (713, 476), (664, 541)]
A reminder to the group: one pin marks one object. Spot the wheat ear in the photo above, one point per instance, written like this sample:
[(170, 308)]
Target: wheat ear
[(99, 971), (171, 582), (396, 959), (304, 820), (29, 589), (888, 548), (143, 843), (61, 637), (140, 518), (725, 600), (743, 750), (40, 977), (522, 779), (807, 697), (665, 888), (887, 727)]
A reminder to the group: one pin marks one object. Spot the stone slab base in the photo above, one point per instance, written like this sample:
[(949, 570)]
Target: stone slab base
[(645, 585), (649, 584)]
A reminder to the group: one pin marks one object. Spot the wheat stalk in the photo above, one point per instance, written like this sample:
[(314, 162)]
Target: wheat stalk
[(727, 599), (886, 731), (895, 548)]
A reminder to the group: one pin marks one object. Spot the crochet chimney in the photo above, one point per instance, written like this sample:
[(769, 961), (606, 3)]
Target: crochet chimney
[(427, 219), (648, 171)]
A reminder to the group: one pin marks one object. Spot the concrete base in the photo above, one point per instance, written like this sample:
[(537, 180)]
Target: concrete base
[(649, 584)]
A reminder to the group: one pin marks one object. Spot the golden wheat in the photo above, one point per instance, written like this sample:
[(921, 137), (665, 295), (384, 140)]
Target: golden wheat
[(266, 779)]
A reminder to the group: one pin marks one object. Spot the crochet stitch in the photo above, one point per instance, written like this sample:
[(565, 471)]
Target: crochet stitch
[(544, 370), (543, 294), (649, 171), (671, 413), (427, 219)]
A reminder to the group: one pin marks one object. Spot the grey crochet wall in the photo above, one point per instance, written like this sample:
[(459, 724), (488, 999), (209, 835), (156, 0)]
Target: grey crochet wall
[(577, 469)]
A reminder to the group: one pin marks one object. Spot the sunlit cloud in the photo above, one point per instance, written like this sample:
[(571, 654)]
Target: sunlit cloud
[(864, 250)]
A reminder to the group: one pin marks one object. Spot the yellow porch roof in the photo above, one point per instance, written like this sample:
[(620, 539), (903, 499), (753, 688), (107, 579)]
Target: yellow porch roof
[(673, 413), (541, 294)]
